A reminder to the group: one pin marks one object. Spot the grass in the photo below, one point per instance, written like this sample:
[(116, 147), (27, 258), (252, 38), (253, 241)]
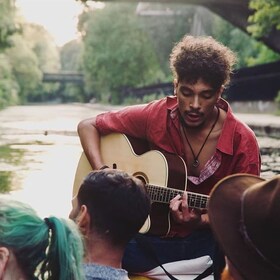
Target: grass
[(9, 156), (5, 181)]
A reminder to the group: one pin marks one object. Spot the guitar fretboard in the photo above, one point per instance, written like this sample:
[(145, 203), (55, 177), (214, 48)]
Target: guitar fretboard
[(164, 195)]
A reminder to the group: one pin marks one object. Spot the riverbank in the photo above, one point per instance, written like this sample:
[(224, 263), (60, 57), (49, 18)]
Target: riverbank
[(63, 118), (263, 123)]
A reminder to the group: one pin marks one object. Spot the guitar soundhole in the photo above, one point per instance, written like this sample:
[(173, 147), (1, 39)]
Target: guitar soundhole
[(142, 176)]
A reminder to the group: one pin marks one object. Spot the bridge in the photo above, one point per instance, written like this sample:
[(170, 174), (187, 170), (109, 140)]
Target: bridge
[(64, 77)]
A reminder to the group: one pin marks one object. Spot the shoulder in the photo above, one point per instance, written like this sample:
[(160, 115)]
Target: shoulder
[(233, 123), (154, 108), (236, 135), (102, 272)]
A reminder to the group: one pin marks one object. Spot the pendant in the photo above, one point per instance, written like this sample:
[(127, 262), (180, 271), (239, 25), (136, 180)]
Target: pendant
[(195, 163)]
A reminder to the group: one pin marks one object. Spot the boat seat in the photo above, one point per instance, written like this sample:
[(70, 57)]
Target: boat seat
[(182, 270)]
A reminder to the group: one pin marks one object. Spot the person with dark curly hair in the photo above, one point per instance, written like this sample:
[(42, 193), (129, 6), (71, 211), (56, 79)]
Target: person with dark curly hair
[(197, 125)]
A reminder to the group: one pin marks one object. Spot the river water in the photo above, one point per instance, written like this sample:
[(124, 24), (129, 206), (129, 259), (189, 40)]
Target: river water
[(46, 136)]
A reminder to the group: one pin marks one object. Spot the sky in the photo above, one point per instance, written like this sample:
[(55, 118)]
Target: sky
[(59, 17)]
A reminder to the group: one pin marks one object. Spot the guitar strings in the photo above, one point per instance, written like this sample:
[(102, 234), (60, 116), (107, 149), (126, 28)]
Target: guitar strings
[(195, 200)]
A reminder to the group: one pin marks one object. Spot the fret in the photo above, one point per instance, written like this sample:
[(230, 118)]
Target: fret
[(197, 200), (164, 195)]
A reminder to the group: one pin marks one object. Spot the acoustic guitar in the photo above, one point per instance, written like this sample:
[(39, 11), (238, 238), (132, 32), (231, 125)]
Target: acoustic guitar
[(165, 176)]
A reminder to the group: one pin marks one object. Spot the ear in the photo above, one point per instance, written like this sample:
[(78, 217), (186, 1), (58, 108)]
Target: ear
[(220, 91), (83, 220), (175, 83), (75, 208), (4, 258)]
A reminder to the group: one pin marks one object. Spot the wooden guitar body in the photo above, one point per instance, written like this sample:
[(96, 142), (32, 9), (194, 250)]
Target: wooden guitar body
[(165, 176)]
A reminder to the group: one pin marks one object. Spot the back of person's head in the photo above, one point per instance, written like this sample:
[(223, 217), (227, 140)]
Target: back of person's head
[(244, 213), (202, 57), (117, 203), (49, 248)]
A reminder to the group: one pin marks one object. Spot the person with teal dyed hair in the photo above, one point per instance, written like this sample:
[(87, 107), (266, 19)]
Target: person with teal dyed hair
[(33, 248)]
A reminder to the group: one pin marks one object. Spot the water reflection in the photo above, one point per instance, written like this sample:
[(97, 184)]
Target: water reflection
[(45, 178), (45, 175)]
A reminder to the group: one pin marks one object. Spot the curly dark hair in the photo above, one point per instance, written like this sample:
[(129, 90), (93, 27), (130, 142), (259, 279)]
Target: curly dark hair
[(202, 57)]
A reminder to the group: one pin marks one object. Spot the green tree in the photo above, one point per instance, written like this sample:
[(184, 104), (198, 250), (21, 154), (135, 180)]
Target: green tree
[(8, 23), (265, 18), (165, 24), (116, 53), (9, 87), (34, 53), (47, 53), (24, 56), (71, 56), (250, 52), (25, 67), (43, 45), (9, 26)]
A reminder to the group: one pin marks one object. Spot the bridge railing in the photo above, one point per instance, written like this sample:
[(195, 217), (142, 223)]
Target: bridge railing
[(260, 82), (73, 77)]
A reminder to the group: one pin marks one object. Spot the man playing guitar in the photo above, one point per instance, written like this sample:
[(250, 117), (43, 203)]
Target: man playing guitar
[(197, 125)]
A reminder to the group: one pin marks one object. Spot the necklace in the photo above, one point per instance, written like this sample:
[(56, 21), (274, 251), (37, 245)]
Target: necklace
[(196, 162)]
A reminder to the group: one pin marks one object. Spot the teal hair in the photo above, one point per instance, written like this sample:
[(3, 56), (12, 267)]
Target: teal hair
[(44, 248)]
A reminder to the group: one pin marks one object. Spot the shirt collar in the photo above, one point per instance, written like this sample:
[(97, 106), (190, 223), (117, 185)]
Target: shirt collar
[(225, 142), (171, 102)]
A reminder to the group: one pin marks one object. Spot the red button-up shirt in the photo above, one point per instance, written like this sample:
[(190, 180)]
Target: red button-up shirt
[(158, 122)]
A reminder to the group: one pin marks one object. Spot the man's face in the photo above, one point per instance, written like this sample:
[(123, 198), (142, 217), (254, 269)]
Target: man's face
[(196, 102)]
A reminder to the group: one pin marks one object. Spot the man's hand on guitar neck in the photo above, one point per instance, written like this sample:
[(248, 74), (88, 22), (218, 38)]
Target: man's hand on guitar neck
[(182, 214)]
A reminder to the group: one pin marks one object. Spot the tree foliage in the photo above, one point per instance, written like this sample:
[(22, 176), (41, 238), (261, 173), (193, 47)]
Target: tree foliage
[(26, 50), (165, 24), (70, 56), (32, 53), (249, 51), (117, 52), (24, 65), (119, 48), (265, 18), (43, 46), (9, 87), (8, 23)]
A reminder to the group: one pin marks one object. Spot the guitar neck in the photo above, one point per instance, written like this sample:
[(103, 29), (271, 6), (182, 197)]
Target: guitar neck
[(164, 195)]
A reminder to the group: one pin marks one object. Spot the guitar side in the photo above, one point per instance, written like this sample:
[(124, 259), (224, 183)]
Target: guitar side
[(152, 167), (117, 152)]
